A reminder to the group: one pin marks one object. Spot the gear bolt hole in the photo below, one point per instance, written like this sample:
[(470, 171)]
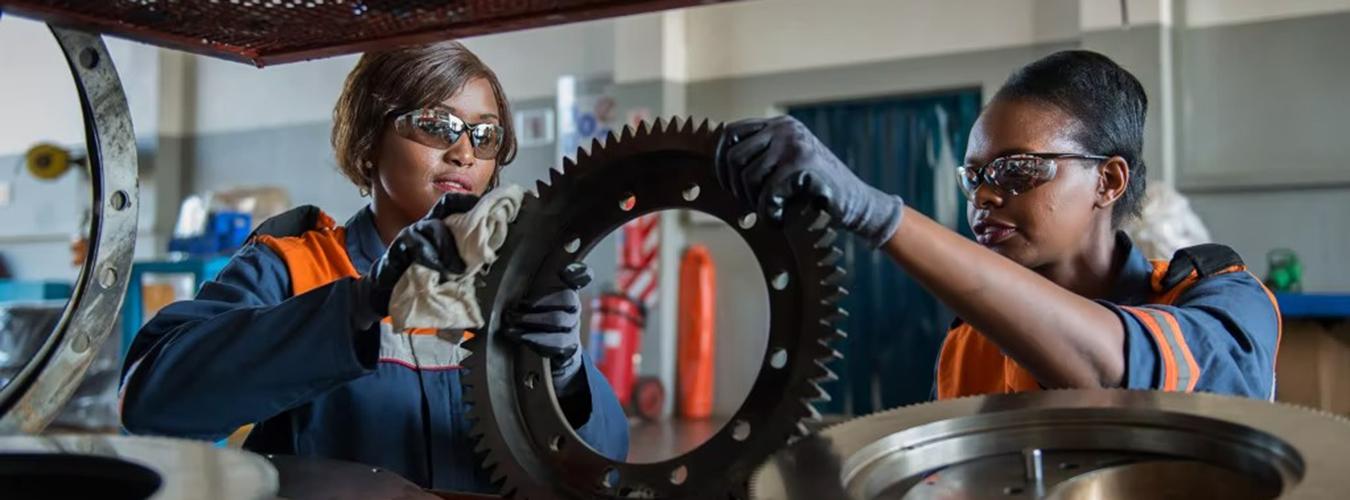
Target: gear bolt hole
[(691, 192), (572, 245), (89, 58), (740, 430), (780, 280), (531, 379), (778, 359), (747, 221), (1012, 490), (627, 202), (679, 475), (120, 201), (108, 277), (610, 478), (555, 443), (1068, 466)]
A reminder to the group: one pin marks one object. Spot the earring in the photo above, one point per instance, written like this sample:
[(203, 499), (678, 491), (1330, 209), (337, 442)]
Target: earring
[(366, 167)]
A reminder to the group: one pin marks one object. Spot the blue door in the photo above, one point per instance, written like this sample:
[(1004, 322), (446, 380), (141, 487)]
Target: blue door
[(910, 146)]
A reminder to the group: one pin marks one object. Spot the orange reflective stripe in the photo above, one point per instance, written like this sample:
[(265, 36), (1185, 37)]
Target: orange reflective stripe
[(1169, 377), (1191, 372), (1279, 319)]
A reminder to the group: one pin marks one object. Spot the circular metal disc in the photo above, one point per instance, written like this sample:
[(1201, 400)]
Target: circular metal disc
[(304, 478), (1282, 450), (184, 469)]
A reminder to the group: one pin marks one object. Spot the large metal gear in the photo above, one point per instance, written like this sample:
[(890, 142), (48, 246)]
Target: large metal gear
[(1070, 444), (526, 442)]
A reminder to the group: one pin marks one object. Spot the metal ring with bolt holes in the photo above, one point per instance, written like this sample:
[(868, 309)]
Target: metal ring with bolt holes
[(32, 398), (1070, 444), (530, 449)]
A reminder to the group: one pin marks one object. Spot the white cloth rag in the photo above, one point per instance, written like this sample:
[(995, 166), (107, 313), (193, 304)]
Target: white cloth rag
[(421, 300)]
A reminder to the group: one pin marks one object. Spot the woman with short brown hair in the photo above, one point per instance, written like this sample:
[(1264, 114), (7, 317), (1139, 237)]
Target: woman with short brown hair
[(292, 336)]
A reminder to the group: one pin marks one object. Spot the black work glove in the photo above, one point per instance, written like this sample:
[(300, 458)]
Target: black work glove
[(550, 325), (427, 242), (766, 162)]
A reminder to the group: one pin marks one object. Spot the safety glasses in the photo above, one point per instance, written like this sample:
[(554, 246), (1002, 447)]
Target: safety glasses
[(438, 128), (1015, 174)]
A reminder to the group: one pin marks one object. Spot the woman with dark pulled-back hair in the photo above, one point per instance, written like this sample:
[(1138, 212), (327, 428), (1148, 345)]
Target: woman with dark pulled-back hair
[(1051, 294)]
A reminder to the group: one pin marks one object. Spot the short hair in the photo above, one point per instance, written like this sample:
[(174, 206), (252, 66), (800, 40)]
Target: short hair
[(387, 83), (1108, 103)]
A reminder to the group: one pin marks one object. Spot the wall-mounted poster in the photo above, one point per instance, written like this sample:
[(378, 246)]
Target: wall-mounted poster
[(534, 127)]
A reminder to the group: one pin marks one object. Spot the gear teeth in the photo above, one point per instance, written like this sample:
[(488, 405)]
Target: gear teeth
[(643, 129), (498, 476), (827, 238), (833, 313), (831, 257), (554, 175), (829, 353), (838, 334), (673, 126), (821, 221), (835, 293), (812, 413), (826, 375), (835, 277), (626, 134), (798, 431), (568, 165), (597, 147), (816, 394), (702, 127), (687, 127)]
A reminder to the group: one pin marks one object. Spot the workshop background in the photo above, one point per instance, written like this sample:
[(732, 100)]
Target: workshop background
[(1247, 115)]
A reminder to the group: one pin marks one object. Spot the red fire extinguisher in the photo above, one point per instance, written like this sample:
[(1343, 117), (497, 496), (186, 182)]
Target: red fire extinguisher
[(616, 337)]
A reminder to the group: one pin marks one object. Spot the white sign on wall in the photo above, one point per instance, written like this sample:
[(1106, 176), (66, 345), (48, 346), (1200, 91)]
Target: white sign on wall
[(585, 112)]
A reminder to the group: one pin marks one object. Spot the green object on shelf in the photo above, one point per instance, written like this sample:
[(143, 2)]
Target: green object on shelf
[(1285, 272)]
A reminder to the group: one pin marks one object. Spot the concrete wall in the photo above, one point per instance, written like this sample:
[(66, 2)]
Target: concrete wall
[(1205, 13), (775, 36), (1263, 154)]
